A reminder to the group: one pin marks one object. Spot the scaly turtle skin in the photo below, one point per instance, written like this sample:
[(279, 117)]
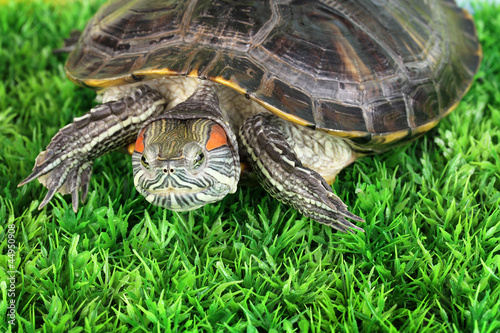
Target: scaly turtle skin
[(300, 88)]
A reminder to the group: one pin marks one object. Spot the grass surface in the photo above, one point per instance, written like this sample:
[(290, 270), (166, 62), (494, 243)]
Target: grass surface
[(428, 261)]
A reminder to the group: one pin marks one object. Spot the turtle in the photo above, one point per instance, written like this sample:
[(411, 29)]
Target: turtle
[(294, 89)]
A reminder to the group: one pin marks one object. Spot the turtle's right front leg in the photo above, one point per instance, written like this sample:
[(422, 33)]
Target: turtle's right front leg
[(284, 176), (66, 165)]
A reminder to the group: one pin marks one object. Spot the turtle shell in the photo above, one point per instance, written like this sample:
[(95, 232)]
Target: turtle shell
[(376, 72)]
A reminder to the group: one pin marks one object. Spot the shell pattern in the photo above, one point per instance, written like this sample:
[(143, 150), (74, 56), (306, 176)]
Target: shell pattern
[(378, 72)]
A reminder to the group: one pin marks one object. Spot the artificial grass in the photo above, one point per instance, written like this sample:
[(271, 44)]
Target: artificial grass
[(428, 261)]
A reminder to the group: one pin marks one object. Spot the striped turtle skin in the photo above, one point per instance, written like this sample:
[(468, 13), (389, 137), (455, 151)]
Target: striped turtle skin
[(375, 72)]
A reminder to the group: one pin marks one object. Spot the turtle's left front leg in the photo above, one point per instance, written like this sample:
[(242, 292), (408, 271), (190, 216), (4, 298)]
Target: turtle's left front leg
[(66, 165), (286, 178)]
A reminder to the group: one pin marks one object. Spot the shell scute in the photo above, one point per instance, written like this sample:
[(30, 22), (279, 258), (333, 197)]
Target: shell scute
[(341, 117), (242, 70), (386, 115), (291, 99), (424, 98)]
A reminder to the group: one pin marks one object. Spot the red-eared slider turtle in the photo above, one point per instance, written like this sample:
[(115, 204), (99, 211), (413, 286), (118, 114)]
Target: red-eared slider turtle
[(299, 89)]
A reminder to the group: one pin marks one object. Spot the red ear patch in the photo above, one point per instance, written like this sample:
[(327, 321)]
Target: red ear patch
[(217, 137), (139, 143)]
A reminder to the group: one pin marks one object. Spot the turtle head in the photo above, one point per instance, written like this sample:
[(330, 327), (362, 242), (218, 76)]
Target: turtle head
[(183, 164)]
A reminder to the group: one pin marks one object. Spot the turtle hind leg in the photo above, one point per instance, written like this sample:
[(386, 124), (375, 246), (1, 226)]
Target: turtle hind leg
[(285, 177), (66, 165)]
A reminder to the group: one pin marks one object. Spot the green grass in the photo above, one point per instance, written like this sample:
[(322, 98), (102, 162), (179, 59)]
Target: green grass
[(428, 261)]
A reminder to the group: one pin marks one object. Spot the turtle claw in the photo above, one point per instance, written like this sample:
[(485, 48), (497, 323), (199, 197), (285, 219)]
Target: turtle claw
[(37, 169), (340, 212), (329, 208), (48, 197), (74, 200), (85, 190), (61, 174), (338, 205)]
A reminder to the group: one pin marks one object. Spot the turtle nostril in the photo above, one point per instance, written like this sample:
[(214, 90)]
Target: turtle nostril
[(165, 170), (172, 170)]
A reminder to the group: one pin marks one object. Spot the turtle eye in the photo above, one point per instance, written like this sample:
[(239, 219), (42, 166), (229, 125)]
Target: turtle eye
[(144, 162), (198, 160)]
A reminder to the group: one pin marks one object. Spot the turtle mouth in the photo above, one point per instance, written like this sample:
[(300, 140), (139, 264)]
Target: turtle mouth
[(184, 199), (176, 191)]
